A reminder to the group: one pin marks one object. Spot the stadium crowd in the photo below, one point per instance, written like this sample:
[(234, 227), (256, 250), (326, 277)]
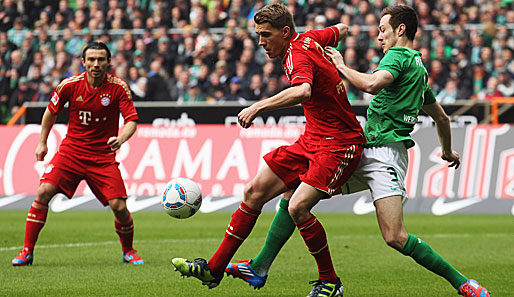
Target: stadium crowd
[(204, 51)]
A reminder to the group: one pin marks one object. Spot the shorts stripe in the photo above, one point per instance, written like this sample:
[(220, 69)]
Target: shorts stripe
[(349, 155)]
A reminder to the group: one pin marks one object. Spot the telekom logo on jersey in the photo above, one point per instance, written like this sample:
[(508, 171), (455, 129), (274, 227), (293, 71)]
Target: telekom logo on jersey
[(85, 117), (223, 159)]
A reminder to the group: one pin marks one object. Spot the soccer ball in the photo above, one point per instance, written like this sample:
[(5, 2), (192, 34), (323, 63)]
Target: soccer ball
[(181, 198)]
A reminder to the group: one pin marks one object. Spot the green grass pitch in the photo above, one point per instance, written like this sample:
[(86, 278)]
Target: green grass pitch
[(78, 254)]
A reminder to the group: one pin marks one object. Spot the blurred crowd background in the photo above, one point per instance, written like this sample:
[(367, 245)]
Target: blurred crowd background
[(207, 51)]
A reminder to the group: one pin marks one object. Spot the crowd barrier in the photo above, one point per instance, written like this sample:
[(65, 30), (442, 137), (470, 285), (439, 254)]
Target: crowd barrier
[(222, 159)]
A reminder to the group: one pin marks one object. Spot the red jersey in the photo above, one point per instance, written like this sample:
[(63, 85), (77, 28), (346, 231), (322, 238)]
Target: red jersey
[(328, 113), (93, 113)]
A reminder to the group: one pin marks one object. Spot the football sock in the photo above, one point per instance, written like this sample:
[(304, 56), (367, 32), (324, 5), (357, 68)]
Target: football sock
[(279, 232), (36, 219), (238, 229), (315, 238), (125, 230), (424, 255)]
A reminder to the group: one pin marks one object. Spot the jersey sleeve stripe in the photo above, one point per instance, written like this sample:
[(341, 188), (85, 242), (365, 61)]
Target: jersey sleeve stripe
[(335, 36), (69, 80)]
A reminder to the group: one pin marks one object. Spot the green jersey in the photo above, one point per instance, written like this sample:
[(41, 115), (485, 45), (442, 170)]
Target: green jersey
[(393, 112)]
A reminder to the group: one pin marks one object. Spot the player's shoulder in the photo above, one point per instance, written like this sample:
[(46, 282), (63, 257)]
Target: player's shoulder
[(70, 81), (116, 81)]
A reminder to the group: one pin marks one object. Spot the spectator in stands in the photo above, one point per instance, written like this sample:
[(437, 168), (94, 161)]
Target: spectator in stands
[(490, 91), (24, 93), (506, 83), (157, 89), (449, 93), (235, 91)]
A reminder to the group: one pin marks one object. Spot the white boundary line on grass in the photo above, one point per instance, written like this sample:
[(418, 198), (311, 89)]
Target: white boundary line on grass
[(82, 244)]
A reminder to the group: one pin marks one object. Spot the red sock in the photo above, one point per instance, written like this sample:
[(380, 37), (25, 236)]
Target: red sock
[(125, 230), (240, 226), (36, 219), (316, 240)]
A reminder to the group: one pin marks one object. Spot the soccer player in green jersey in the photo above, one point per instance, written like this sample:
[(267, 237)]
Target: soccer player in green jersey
[(401, 91)]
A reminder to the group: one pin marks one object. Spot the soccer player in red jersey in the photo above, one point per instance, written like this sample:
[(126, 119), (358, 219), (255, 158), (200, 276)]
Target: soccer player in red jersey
[(309, 170), (95, 99)]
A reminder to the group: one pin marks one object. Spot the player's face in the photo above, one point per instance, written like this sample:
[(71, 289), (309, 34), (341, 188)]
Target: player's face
[(96, 62), (387, 36), (274, 41)]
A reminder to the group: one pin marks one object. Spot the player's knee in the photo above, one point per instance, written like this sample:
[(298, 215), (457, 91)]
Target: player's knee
[(394, 240), (252, 195), (297, 212), (119, 207), (45, 192)]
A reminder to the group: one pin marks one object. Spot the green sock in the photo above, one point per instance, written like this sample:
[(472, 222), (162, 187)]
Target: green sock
[(425, 256), (279, 232)]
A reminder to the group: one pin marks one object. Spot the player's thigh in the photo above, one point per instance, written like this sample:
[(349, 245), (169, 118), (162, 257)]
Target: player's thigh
[(304, 198), (265, 186), (385, 168), (63, 172), (106, 182)]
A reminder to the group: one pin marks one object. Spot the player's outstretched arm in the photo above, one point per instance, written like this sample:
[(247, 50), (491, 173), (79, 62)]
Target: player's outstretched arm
[(288, 97), (343, 30), (47, 123), (128, 130), (442, 123), (366, 82)]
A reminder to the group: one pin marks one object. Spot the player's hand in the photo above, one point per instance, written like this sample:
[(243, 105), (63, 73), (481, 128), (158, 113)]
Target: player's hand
[(453, 158), (246, 116), (41, 151), (114, 142), (335, 56)]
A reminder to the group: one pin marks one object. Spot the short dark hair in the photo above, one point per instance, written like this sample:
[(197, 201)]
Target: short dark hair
[(96, 45), (402, 14), (277, 15)]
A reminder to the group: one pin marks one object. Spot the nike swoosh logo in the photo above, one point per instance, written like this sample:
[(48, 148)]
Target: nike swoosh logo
[(208, 205), (134, 205), (441, 207), (10, 199), (362, 207), (61, 203)]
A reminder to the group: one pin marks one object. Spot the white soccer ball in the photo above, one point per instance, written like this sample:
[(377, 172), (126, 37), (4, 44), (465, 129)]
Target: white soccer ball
[(181, 198)]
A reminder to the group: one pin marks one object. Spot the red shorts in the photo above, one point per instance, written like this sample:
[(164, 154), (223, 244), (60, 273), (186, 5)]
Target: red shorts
[(322, 165), (65, 171)]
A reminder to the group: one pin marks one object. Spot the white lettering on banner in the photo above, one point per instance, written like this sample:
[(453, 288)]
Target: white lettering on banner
[(166, 132), (438, 180), (285, 120), (18, 142), (411, 180), (505, 184), (235, 158), (151, 158), (478, 157), (271, 132), (185, 161)]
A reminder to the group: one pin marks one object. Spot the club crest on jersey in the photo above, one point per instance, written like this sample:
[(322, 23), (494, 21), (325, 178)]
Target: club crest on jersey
[(106, 99)]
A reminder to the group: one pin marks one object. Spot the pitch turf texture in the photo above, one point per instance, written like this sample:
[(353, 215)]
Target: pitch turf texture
[(78, 254)]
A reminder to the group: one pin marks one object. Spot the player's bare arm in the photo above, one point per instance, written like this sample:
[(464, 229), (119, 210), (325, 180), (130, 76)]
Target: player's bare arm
[(288, 97), (369, 83), (47, 123), (115, 142), (442, 123), (343, 30)]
